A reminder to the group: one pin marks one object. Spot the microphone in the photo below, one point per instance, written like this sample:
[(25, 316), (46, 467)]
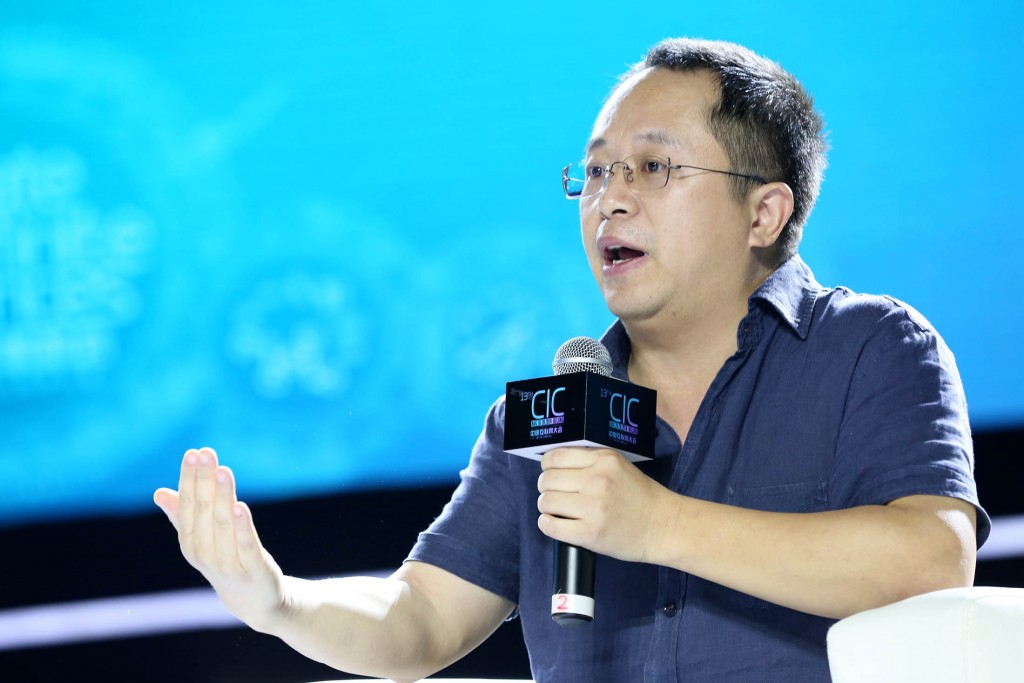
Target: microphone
[(572, 592), (582, 354), (581, 405)]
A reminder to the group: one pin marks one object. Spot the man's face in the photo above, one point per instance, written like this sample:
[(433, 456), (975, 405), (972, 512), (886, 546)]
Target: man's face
[(679, 251)]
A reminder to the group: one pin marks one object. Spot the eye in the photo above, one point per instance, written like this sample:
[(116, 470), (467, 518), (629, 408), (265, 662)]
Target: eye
[(653, 165), (594, 171)]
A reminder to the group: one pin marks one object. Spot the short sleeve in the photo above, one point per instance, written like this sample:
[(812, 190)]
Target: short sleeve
[(905, 429), (476, 537)]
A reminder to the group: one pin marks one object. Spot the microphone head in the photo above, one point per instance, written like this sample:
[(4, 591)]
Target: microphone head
[(582, 354)]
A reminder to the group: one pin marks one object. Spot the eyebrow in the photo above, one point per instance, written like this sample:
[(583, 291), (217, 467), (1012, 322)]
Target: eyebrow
[(657, 136)]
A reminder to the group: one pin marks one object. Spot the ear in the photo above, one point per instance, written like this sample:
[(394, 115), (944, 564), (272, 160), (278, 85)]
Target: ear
[(771, 206)]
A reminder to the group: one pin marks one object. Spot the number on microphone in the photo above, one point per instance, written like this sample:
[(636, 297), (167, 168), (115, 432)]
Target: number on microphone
[(563, 603)]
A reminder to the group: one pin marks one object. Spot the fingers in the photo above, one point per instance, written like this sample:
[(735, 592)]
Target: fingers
[(558, 528), (237, 545), (566, 481), (204, 492), (576, 470), (187, 495), (566, 517), (578, 487), (251, 556), (563, 497), (567, 473), (563, 458), (217, 537), (205, 511), (223, 518), (215, 529), (575, 457)]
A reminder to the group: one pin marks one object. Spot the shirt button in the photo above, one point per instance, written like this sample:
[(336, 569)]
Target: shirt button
[(670, 609)]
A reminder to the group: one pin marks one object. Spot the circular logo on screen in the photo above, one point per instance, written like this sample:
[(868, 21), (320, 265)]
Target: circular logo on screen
[(300, 333)]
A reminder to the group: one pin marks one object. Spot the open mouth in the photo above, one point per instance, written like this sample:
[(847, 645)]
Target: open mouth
[(615, 255)]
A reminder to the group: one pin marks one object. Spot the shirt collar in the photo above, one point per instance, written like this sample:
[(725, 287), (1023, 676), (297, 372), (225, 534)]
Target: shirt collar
[(791, 290), (617, 342)]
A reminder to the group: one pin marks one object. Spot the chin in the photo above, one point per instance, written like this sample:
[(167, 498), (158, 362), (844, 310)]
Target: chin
[(631, 311)]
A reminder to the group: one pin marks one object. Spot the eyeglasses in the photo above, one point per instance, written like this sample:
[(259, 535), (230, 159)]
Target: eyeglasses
[(643, 173)]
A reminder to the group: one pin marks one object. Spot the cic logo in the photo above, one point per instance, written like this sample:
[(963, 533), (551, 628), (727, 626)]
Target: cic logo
[(620, 407), (548, 404)]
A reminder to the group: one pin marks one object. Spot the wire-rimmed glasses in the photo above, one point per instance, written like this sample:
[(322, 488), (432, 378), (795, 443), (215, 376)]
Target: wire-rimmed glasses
[(642, 172)]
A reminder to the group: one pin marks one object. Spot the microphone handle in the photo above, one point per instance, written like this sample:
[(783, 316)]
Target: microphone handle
[(572, 599)]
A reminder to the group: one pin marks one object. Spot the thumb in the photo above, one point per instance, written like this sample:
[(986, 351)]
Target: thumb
[(167, 500)]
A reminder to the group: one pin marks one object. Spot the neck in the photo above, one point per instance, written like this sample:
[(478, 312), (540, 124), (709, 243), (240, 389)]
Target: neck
[(679, 353), (689, 354)]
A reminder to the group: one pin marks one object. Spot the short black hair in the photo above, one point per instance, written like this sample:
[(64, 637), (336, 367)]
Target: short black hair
[(764, 120)]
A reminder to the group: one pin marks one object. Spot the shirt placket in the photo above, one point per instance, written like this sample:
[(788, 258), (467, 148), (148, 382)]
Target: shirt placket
[(663, 658), (663, 662)]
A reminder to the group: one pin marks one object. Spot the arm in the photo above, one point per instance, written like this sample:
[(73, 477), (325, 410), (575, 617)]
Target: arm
[(405, 627), (831, 564)]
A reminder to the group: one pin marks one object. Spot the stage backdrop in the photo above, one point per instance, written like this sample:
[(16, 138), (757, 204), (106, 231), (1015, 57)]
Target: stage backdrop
[(321, 236)]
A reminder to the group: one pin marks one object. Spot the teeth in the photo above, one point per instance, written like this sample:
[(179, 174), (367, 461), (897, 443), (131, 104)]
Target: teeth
[(615, 255)]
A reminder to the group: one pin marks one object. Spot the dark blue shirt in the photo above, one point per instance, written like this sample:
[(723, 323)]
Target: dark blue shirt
[(832, 400)]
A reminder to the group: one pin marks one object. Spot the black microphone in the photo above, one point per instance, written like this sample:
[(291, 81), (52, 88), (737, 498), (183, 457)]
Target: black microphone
[(581, 405)]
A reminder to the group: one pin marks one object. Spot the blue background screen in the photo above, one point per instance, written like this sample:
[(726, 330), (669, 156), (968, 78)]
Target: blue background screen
[(321, 236)]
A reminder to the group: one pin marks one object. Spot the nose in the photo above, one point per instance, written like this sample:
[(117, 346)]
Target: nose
[(626, 172), (617, 197)]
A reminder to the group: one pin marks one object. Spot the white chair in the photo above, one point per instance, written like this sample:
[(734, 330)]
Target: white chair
[(960, 635)]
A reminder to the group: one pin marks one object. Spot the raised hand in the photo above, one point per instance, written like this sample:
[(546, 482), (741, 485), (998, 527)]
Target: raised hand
[(405, 627), (217, 537)]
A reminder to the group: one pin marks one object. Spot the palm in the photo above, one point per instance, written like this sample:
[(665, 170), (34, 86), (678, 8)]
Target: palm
[(218, 538)]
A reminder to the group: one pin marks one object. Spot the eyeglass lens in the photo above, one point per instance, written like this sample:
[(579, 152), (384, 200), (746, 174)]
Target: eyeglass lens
[(643, 172)]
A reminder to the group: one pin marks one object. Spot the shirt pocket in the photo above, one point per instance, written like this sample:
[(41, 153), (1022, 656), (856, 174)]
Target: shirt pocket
[(805, 496)]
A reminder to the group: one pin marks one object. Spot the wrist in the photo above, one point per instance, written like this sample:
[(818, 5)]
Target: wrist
[(284, 607), (666, 538)]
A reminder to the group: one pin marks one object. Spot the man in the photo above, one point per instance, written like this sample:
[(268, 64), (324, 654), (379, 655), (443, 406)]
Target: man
[(813, 451)]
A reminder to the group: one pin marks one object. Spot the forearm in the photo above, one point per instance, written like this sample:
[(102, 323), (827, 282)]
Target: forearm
[(832, 563), (364, 626), (405, 627), (829, 563)]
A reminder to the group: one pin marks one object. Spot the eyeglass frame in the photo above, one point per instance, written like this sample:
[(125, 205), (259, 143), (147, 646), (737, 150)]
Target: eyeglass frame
[(608, 173)]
